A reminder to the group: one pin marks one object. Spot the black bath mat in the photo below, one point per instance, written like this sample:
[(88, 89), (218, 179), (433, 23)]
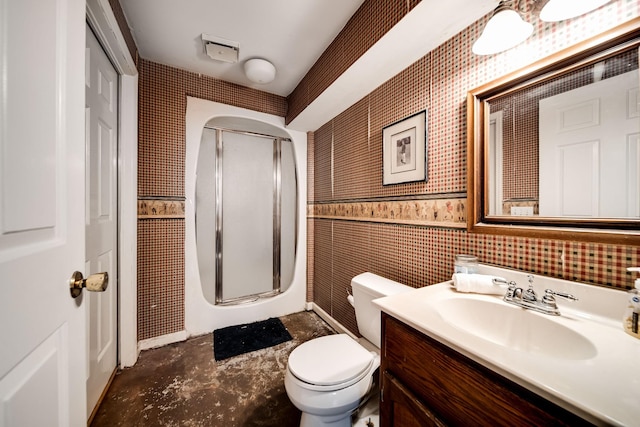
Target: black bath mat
[(234, 340)]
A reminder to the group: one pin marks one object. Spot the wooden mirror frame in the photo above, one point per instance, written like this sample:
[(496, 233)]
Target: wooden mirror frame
[(617, 231)]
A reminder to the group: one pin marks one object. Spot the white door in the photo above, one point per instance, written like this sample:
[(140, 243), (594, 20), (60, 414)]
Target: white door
[(42, 329), (589, 150), (101, 97)]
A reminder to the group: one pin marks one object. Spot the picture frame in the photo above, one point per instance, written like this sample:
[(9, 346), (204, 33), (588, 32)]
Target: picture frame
[(404, 150)]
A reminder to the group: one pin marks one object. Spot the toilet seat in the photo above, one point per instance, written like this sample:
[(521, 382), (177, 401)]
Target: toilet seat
[(330, 363)]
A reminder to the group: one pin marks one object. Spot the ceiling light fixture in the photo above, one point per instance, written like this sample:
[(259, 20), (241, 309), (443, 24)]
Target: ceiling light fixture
[(505, 29), (559, 10), (259, 70)]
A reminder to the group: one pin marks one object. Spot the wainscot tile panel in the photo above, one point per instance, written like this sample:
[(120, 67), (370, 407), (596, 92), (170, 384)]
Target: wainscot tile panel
[(310, 258), (160, 277), (323, 264), (350, 258), (406, 241)]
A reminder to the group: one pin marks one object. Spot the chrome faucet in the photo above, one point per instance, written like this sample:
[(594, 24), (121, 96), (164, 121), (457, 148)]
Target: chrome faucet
[(529, 300), (530, 295), (548, 301)]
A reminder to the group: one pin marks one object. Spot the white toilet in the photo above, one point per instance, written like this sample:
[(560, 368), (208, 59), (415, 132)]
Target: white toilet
[(327, 378)]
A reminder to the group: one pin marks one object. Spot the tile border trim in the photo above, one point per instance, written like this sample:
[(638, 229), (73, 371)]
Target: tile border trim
[(450, 213), (160, 208)]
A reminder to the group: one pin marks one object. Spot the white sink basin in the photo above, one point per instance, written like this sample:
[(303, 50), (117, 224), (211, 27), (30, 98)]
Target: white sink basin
[(514, 327), (582, 360)]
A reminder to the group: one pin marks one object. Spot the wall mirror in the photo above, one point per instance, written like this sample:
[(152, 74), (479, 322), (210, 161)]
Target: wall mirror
[(554, 148)]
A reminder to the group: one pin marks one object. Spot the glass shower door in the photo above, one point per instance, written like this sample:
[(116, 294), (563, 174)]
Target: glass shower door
[(248, 216)]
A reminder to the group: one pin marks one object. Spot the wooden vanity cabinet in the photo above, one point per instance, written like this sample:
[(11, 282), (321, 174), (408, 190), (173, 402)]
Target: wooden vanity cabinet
[(425, 383)]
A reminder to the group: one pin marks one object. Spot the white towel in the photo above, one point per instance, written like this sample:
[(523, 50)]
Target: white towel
[(477, 283)]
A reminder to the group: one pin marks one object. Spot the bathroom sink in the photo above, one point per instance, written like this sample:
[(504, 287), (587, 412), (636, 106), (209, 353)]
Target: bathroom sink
[(515, 328), (580, 359)]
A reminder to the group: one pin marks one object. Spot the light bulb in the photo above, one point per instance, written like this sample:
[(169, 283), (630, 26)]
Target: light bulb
[(505, 29)]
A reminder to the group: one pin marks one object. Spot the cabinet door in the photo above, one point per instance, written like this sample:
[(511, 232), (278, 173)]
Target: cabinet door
[(459, 390), (402, 408)]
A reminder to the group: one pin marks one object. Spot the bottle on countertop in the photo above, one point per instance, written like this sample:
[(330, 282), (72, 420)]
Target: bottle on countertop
[(631, 314)]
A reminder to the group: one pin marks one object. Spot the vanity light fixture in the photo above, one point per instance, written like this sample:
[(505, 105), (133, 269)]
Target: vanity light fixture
[(260, 70), (505, 29), (559, 10)]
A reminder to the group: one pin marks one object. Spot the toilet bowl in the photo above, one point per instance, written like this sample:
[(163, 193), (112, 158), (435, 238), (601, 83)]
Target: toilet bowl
[(328, 378)]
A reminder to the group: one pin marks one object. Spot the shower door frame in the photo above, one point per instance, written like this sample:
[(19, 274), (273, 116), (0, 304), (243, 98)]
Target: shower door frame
[(277, 200)]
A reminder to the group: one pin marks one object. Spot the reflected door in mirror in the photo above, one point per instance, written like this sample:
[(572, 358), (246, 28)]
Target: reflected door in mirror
[(589, 145)]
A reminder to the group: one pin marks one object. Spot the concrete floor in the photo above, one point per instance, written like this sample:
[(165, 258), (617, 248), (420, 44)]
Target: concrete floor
[(182, 385)]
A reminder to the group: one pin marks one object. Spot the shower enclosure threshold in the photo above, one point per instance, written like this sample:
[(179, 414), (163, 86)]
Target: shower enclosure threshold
[(249, 299)]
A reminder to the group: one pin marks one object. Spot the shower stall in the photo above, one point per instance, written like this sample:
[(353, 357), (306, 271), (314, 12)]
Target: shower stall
[(245, 217), (245, 210)]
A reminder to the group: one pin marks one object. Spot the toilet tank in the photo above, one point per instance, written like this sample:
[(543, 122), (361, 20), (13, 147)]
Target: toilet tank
[(367, 287)]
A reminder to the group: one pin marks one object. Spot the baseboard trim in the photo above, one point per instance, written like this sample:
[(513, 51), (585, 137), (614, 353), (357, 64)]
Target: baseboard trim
[(331, 321), (162, 340)]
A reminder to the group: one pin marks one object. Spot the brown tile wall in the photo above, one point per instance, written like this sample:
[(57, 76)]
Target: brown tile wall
[(400, 97), (351, 152), (160, 277), (322, 164), (163, 92), (323, 265), (310, 257), (370, 22), (163, 95), (348, 176), (310, 196), (341, 248)]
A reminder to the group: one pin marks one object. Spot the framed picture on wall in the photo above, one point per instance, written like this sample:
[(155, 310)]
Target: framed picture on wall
[(404, 150)]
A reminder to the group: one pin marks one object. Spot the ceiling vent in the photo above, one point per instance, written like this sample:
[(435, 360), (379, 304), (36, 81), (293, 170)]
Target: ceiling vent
[(220, 49)]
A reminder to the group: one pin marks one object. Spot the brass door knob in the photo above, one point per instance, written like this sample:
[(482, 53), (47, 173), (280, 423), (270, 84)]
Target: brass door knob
[(95, 283)]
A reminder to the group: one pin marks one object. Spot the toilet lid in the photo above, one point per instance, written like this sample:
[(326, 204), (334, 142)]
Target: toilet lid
[(330, 360)]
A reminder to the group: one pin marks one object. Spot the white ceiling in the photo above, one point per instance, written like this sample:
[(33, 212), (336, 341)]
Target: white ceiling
[(292, 34)]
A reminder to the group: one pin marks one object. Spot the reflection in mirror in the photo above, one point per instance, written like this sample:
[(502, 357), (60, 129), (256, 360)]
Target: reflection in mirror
[(557, 144), (568, 146)]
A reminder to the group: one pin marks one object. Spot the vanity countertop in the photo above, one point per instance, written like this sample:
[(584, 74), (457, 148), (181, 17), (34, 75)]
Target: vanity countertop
[(601, 384)]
